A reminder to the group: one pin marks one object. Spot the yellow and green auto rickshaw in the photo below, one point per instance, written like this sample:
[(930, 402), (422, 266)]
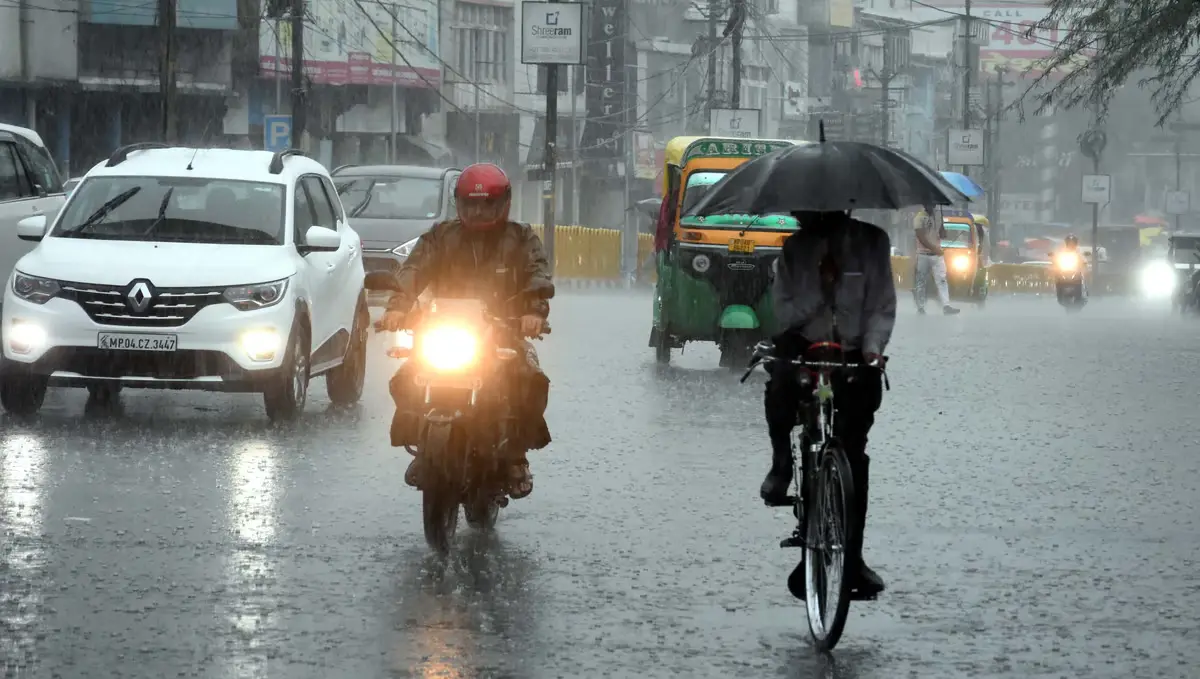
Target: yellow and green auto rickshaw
[(714, 272), (964, 245)]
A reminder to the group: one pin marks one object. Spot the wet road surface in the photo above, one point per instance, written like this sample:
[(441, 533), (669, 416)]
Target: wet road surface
[(1034, 511)]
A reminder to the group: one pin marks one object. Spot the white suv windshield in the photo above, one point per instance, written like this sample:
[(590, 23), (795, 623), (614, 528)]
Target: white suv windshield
[(175, 209)]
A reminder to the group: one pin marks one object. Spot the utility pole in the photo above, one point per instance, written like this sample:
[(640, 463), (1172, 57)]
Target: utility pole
[(477, 121), (24, 30), (550, 161), (711, 46), (299, 95), (629, 241), (278, 68), (1179, 168), (885, 78), (395, 93), (576, 73), (166, 73), (734, 29), (966, 93)]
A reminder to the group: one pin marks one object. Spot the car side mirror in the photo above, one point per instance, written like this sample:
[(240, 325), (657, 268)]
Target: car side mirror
[(319, 239), (41, 190), (32, 228)]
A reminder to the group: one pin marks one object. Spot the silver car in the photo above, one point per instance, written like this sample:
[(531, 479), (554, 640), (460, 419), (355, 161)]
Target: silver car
[(390, 206)]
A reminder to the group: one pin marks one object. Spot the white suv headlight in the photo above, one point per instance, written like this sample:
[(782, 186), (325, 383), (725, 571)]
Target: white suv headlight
[(257, 296), (406, 249), (34, 289)]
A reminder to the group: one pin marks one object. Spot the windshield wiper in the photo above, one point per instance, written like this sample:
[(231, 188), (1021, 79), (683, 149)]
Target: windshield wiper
[(162, 212), (102, 211)]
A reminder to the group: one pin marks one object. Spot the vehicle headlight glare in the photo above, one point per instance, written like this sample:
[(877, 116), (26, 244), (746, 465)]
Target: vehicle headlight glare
[(448, 348), (24, 337), (257, 296), (961, 263), (1158, 279), (34, 289), (700, 263), (406, 249), (261, 345), (1068, 262)]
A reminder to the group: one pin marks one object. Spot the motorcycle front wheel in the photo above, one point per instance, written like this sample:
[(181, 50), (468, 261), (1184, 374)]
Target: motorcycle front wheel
[(440, 497)]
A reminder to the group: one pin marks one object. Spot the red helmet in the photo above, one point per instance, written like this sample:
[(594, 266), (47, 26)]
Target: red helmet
[(484, 196)]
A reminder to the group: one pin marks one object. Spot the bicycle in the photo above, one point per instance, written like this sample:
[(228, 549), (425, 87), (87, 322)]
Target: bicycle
[(824, 490)]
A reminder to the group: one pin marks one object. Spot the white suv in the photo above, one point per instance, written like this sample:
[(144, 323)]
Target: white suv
[(174, 268)]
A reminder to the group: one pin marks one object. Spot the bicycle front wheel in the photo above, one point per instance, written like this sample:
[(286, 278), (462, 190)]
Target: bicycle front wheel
[(826, 554)]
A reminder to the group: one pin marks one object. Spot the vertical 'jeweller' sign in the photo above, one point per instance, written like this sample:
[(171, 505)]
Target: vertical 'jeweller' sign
[(607, 101)]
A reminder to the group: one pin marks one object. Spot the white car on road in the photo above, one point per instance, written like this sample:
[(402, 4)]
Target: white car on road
[(29, 186), (176, 268)]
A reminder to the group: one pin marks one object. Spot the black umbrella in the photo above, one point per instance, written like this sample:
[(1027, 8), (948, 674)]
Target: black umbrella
[(827, 176)]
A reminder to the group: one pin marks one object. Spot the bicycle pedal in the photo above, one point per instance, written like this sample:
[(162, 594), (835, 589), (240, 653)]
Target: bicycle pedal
[(794, 541), (787, 501)]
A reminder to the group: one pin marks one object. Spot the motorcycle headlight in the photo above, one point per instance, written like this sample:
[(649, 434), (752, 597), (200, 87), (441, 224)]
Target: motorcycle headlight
[(34, 289), (1068, 262), (406, 249), (257, 296), (448, 348)]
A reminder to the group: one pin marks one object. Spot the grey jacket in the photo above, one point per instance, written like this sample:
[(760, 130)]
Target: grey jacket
[(865, 296)]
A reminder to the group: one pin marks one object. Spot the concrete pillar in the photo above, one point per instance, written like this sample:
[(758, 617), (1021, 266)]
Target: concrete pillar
[(116, 123), (62, 150)]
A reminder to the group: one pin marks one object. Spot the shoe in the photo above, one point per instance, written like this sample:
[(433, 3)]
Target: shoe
[(795, 582), (520, 480), (921, 311), (775, 486), (949, 310), (867, 585), (412, 475)]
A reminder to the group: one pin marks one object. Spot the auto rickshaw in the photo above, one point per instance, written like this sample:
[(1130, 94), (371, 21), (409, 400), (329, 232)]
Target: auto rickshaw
[(966, 261), (714, 272)]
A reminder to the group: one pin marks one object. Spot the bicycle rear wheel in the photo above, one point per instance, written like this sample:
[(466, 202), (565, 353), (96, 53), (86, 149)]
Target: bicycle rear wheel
[(828, 540)]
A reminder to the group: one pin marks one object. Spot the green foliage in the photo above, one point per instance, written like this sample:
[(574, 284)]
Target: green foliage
[(1112, 43)]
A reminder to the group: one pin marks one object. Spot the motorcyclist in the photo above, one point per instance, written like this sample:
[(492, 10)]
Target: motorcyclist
[(481, 254), (1071, 247), (833, 282)]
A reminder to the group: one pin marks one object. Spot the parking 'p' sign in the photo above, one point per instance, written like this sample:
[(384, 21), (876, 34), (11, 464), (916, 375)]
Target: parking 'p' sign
[(277, 133)]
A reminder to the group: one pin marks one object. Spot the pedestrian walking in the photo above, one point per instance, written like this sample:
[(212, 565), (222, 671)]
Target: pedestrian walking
[(929, 260)]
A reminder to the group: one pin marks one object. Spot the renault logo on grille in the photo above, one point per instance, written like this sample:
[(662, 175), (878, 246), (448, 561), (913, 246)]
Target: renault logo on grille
[(139, 296)]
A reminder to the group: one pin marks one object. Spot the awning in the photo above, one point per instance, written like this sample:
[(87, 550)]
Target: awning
[(536, 154), (439, 154)]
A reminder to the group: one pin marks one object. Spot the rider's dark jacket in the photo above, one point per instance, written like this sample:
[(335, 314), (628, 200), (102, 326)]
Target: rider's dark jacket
[(492, 266)]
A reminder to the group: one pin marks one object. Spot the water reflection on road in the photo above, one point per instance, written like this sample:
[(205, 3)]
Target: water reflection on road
[(22, 571)]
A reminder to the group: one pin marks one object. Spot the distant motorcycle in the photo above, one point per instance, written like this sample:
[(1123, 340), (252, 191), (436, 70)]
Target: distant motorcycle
[(1069, 270)]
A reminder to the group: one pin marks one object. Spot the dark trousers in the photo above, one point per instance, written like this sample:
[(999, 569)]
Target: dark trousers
[(855, 403), (528, 392)]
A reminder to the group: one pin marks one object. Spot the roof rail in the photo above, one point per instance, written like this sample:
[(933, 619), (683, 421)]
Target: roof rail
[(339, 168), (276, 165), (123, 152)]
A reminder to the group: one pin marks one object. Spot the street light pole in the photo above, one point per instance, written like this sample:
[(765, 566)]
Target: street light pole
[(395, 93)]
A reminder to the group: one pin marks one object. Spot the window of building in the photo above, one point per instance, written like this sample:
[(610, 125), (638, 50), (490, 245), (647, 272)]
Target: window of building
[(482, 33)]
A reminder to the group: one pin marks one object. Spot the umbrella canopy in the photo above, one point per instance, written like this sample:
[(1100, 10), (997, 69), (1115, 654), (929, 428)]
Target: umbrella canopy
[(964, 184), (827, 177)]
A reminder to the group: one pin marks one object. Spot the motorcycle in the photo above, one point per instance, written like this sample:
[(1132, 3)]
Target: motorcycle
[(461, 352), (1069, 268)]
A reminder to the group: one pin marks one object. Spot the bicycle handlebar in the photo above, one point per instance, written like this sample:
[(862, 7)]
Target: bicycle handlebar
[(760, 356)]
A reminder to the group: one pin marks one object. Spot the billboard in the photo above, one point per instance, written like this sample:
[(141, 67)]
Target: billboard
[(345, 46), (1004, 43)]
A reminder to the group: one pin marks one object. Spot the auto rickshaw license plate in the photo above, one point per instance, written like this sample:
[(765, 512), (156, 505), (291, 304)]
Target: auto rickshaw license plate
[(744, 246)]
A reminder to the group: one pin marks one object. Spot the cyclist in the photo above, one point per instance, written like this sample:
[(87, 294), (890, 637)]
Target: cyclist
[(833, 282)]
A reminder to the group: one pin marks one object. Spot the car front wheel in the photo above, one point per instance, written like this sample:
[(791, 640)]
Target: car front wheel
[(285, 397), (344, 383)]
